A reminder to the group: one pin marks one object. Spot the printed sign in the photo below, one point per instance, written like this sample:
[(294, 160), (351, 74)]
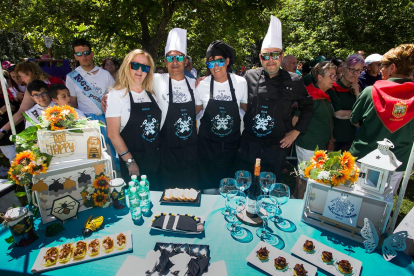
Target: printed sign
[(60, 144), (342, 207), (94, 148)]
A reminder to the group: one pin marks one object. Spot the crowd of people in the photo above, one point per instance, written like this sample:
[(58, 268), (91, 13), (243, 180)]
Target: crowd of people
[(190, 133)]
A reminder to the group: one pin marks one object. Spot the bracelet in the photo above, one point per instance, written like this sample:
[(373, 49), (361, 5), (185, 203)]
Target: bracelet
[(122, 154)]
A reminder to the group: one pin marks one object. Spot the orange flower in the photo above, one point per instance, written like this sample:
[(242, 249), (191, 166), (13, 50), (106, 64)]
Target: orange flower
[(347, 161), (307, 171), (101, 182), (71, 110), (354, 177), (12, 176), (54, 126), (319, 158), (340, 179), (52, 113), (99, 198), (42, 168), (24, 158)]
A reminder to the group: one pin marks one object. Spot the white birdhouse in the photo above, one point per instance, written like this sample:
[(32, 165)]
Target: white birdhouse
[(377, 170)]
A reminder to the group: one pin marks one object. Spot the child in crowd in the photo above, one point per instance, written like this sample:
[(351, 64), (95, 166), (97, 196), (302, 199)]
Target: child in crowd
[(38, 92), (60, 95)]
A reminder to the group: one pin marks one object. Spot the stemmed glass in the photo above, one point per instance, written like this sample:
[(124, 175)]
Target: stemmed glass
[(236, 203), (281, 192), (267, 181), (243, 179), (265, 208), (226, 186)]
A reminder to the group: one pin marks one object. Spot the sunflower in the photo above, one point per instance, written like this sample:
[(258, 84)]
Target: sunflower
[(38, 169), (319, 158), (54, 126), (24, 158), (307, 171), (99, 198), (340, 179), (69, 109), (101, 182), (347, 161), (354, 177), (52, 113), (12, 176)]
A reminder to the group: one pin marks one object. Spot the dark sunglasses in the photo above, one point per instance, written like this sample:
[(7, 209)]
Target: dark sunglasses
[(36, 96), (274, 55), (86, 53), (10, 68), (220, 62), (178, 58), (136, 66)]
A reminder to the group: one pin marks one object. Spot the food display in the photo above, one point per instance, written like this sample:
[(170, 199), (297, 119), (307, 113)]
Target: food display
[(308, 246), (344, 266), (93, 247), (299, 270), (326, 256), (65, 253), (108, 244), (263, 254), (280, 263), (120, 241), (180, 195), (80, 250), (50, 257)]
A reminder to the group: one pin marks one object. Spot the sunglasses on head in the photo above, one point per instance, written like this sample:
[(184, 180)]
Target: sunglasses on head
[(220, 62), (10, 68), (274, 55), (136, 66), (86, 53), (178, 58)]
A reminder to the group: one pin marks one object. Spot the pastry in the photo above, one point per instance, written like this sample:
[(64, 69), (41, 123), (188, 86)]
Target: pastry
[(326, 256), (299, 270), (93, 247), (108, 244), (263, 254), (80, 250), (308, 246), (120, 241), (280, 263), (65, 253), (50, 256), (344, 267), (180, 194)]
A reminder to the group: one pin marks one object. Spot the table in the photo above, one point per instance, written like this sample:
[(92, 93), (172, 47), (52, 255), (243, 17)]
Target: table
[(19, 261)]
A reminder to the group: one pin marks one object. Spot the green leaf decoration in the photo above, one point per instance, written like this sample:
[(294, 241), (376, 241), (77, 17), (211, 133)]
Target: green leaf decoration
[(29, 134), (20, 194), (9, 239), (54, 229), (29, 119), (334, 153), (317, 148), (314, 173)]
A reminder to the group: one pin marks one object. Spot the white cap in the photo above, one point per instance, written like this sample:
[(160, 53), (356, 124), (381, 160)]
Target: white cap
[(177, 41), (372, 58), (273, 38)]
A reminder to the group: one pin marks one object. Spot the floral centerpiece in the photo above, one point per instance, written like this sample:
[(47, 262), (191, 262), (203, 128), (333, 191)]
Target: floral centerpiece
[(332, 168), (96, 195), (26, 164), (60, 117)]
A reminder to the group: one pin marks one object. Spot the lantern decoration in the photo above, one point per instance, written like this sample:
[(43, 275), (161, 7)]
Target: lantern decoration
[(377, 170)]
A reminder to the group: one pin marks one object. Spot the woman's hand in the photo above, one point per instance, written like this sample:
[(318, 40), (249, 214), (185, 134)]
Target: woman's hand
[(133, 169), (355, 89)]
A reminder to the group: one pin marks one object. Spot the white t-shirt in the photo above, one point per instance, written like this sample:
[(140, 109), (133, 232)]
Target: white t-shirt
[(35, 112), (221, 91), (101, 82), (119, 105), (80, 113), (160, 85)]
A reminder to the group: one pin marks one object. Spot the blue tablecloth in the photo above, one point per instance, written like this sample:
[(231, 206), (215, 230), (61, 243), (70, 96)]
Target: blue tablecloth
[(18, 261)]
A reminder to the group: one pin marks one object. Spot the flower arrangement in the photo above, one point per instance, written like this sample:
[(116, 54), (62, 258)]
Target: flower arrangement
[(59, 117), (96, 195), (26, 164), (331, 168)]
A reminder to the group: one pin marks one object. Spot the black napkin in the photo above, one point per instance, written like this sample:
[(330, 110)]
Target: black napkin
[(185, 223), (196, 267), (164, 264)]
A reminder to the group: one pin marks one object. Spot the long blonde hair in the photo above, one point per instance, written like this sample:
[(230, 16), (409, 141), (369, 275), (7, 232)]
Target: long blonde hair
[(124, 78), (30, 66)]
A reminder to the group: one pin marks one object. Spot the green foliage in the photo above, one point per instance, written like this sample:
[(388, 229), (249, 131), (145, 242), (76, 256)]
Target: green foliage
[(20, 194), (9, 239)]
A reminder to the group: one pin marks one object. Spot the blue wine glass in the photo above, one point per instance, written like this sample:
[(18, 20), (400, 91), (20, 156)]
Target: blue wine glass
[(281, 192), (265, 208), (243, 179), (227, 185), (267, 181), (236, 203)]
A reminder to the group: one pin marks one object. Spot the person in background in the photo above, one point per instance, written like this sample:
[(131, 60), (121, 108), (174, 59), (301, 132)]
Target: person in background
[(308, 79), (188, 68), (343, 95), (60, 95), (38, 92), (319, 129), (134, 118), (386, 110), (16, 88), (290, 63), (361, 53), (28, 71), (220, 95), (371, 74), (160, 70), (339, 63), (6, 64), (306, 68), (112, 66)]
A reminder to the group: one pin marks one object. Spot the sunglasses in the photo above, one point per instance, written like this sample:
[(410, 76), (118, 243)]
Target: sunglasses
[(11, 68), (37, 96), (274, 55), (86, 53), (136, 66), (178, 58), (354, 71), (220, 62)]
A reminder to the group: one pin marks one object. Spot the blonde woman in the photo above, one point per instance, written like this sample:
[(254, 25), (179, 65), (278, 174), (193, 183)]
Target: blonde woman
[(133, 118)]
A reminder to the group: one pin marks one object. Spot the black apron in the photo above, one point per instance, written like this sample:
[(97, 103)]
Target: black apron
[(142, 138), (218, 139), (179, 144), (264, 127)]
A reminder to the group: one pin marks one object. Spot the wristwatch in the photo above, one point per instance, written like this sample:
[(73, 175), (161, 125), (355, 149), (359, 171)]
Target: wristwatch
[(3, 131), (129, 162)]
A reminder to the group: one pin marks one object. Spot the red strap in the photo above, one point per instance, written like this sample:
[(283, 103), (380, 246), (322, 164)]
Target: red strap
[(316, 93)]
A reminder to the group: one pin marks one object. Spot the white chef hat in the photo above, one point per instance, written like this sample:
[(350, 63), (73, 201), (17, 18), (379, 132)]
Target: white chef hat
[(372, 58), (177, 41), (273, 38)]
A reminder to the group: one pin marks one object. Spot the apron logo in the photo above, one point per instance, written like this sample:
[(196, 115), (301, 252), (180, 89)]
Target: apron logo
[(150, 129), (222, 97), (264, 124), (179, 97), (399, 110), (183, 125), (222, 125)]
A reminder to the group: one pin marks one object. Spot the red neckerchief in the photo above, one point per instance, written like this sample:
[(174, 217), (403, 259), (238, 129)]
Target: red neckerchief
[(11, 97), (339, 88), (394, 103), (316, 93)]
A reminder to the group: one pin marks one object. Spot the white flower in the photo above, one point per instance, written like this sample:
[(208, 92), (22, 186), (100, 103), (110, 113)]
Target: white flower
[(90, 189), (324, 175), (88, 197), (301, 172), (65, 112)]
